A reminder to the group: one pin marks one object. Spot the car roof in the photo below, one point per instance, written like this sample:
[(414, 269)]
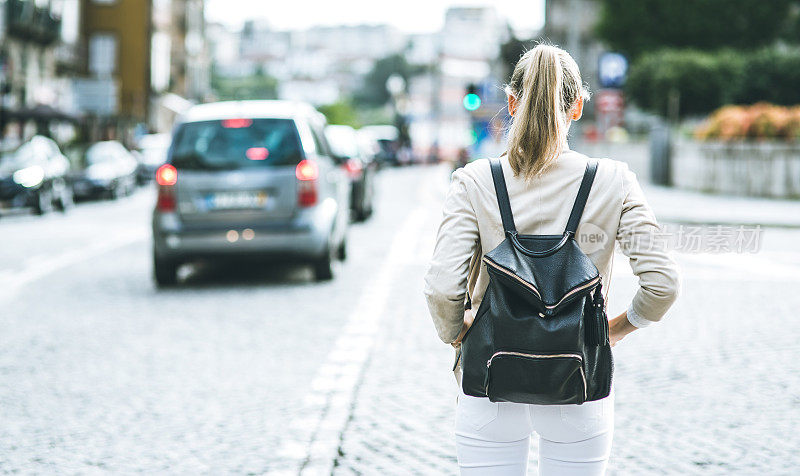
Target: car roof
[(251, 109)]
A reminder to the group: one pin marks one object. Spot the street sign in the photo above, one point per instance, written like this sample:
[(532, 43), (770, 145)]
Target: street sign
[(610, 109), (610, 101), (612, 69)]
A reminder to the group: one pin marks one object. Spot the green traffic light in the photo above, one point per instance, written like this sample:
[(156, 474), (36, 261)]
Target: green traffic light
[(472, 102)]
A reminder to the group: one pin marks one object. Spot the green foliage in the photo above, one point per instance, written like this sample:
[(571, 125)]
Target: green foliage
[(257, 86), (635, 27), (771, 75), (341, 112), (511, 51), (705, 81)]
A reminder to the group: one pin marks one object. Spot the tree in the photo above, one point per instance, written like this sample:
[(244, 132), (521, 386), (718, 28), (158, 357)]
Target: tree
[(634, 27), (511, 51), (257, 86), (373, 91), (706, 80), (340, 112)]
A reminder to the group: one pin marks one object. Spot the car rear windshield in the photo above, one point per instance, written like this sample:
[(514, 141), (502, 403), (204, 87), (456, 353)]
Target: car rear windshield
[(236, 144)]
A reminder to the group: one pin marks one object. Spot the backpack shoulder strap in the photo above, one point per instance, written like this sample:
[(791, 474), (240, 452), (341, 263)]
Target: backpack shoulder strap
[(580, 200), (502, 196)]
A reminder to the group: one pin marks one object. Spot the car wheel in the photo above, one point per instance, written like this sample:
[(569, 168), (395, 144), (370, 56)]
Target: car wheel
[(165, 271), (44, 201), (341, 251), (323, 267), (66, 199), (116, 191)]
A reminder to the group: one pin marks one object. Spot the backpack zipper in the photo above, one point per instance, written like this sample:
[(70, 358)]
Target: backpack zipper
[(583, 286), (538, 356)]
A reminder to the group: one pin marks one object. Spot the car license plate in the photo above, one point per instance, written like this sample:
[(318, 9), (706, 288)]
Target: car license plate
[(236, 200)]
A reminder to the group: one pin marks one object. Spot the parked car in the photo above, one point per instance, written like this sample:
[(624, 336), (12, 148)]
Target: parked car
[(35, 175), (386, 139), (253, 179), (359, 167), (103, 169), (151, 154)]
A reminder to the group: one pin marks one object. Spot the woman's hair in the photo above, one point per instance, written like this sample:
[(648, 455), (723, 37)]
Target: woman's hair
[(546, 84)]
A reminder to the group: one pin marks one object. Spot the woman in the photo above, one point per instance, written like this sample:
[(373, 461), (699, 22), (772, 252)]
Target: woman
[(545, 94)]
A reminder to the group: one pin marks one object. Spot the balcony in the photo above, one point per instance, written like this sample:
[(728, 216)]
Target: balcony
[(26, 21)]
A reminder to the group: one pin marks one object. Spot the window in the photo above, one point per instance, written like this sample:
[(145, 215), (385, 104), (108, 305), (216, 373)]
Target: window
[(236, 144), (102, 54)]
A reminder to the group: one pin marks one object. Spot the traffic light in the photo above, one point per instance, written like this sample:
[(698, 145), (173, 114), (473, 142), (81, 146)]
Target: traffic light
[(472, 101)]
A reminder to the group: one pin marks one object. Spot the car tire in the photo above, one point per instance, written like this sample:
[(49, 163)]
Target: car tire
[(66, 200), (165, 272), (116, 191), (44, 201), (323, 267), (341, 250)]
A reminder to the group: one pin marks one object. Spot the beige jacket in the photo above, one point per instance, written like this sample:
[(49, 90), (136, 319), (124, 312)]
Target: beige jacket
[(616, 211)]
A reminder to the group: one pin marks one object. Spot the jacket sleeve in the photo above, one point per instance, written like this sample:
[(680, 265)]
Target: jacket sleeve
[(642, 240), (456, 242)]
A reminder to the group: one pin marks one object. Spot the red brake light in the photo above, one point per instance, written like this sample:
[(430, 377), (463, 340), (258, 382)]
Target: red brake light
[(307, 173), (236, 123), (257, 153), (167, 175), (166, 200), (306, 170), (353, 168)]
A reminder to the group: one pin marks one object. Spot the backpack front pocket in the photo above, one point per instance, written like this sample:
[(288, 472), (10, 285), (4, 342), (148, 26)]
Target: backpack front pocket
[(544, 379)]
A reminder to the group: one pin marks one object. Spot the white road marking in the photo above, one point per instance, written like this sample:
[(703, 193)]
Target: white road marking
[(38, 267), (312, 442)]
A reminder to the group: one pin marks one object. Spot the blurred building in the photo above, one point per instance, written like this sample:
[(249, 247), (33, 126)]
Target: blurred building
[(465, 51), (39, 46), (317, 65), (103, 65), (570, 25), (147, 60)]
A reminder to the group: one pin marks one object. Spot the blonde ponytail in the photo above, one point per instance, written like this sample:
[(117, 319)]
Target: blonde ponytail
[(546, 84)]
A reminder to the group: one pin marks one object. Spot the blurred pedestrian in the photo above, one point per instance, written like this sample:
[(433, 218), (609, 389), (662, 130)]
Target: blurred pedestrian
[(545, 94)]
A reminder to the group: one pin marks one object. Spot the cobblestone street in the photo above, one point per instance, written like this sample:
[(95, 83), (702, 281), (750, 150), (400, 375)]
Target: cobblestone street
[(253, 370)]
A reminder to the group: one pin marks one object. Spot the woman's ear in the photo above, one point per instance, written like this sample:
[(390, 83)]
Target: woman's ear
[(577, 110), (512, 104)]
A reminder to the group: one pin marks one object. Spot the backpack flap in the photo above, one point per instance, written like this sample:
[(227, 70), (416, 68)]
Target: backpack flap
[(547, 282)]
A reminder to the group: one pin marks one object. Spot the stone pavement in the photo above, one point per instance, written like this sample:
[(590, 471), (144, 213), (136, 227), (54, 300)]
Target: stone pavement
[(712, 389)]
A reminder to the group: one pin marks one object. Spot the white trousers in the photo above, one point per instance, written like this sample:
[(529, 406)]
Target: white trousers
[(493, 438)]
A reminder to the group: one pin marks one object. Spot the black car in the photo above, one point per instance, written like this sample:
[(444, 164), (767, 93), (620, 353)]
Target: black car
[(103, 169), (359, 166), (152, 152), (35, 175)]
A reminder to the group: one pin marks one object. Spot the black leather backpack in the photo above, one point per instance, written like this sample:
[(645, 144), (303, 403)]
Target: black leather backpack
[(540, 334)]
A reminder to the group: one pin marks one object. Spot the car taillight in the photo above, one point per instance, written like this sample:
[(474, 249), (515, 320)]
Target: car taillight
[(306, 173), (166, 178), (353, 168), (306, 170), (167, 174), (166, 199)]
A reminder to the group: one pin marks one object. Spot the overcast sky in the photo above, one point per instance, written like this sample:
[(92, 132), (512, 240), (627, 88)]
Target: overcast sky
[(412, 16)]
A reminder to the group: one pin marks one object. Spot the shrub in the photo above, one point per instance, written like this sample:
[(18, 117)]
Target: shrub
[(759, 121)]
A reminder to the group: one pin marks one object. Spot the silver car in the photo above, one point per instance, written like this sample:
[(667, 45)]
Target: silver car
[(254, 179)]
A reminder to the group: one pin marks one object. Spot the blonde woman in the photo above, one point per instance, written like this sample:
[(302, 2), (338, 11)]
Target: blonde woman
[(545, 94)]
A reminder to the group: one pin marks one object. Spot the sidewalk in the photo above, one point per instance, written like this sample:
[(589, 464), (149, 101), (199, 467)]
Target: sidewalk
[(688, 207)]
